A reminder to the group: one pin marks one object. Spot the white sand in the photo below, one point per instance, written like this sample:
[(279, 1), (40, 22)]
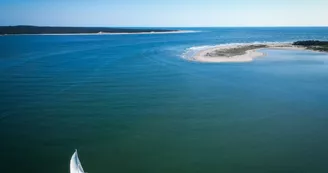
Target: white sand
[(250, 55)]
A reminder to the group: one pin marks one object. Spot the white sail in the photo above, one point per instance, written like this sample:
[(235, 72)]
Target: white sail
[(75, 164)]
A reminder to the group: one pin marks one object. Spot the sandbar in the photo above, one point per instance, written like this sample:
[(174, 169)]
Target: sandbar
[(239, 52)]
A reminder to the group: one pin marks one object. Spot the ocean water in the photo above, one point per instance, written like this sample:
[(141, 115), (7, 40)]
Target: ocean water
[(134, 104)]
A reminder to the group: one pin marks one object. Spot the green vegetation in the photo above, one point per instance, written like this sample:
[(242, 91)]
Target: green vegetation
[(230, 52), (313, 45)]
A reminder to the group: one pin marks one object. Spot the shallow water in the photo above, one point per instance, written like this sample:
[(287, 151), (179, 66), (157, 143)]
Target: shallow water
[(132, 103)]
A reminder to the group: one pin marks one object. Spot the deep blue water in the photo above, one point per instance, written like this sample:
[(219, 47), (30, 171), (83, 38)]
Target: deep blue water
[(133, 104)]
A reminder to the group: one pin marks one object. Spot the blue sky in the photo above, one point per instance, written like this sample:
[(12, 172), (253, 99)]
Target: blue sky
[(169, 13)]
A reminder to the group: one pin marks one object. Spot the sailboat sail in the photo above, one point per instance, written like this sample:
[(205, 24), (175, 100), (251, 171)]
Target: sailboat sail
[(75, 164)]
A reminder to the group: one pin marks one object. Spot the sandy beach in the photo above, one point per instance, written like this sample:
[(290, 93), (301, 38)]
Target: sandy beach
[(238, 52)]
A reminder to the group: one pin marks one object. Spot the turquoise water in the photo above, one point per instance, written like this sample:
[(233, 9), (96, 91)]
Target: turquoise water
[(133, 104)]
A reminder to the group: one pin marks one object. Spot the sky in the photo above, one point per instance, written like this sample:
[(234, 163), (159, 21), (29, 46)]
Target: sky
[(164, 13)]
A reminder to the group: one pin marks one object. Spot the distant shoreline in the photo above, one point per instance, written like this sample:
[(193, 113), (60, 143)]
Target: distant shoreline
[(122, 33), (41, 30)]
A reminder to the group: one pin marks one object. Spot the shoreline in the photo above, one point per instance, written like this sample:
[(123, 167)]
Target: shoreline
[(108, 33), (239, 52)]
